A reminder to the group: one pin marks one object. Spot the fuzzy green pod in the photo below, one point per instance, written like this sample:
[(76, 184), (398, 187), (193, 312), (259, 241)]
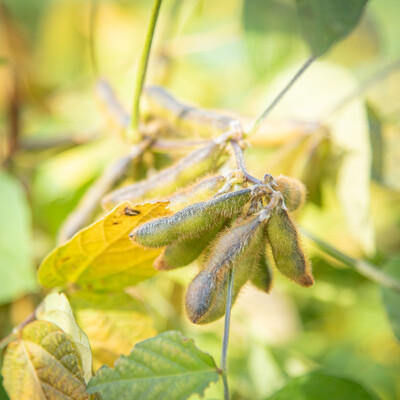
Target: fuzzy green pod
[(288, 254), (192, 221), (238, 248), (183, 252), (202, 190), (183, 117), (292, 190), (194, 165), (262, 274)]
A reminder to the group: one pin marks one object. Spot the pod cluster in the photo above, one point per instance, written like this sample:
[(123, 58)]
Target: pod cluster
[(244, 229)]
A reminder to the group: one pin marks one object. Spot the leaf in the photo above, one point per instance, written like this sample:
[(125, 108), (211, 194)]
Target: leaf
[(55, 308), (320, 385), (114, 323), (16, 265), (167, 366), (43, 364), (102, 256), (325, 22), (271, 28), (3, 394), (391, 299)]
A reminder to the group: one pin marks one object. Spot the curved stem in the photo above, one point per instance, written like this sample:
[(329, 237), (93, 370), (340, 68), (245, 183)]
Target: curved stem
[(240, 162), (279, 97), (224, 352), (133, 134), (364, 268)]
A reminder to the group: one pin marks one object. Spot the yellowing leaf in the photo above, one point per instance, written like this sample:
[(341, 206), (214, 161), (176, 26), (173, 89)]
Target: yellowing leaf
[(102, 256), (56, 309), (114, 322), (43, 364)]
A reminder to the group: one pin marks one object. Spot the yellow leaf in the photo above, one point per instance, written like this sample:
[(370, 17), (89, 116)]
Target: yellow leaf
[(102, 256), (114, 322), (55, 308), (43, 364)]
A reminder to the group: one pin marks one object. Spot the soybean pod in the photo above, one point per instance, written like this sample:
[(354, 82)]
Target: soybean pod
[(238, 247), (194, 165), (287, 251), (194, 220)]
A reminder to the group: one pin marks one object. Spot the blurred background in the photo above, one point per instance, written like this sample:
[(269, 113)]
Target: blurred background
[(233, 56)]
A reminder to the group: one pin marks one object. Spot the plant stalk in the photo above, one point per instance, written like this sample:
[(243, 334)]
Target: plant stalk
[(279, 97), (133, 133), (364, 268), (226, 333)]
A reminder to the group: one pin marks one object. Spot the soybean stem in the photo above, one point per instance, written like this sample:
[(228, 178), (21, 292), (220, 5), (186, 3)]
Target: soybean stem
[(279, 97), (240, 162), (364, 268), (226, 333), (133, 134)]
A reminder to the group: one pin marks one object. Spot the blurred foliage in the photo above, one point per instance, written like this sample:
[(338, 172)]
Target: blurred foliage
[(236, 55)]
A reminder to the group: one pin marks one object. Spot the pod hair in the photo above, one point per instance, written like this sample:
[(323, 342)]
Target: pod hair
[(286, 248), (237, 247), (181, 253), (194, 220), (292, 190), (197, 163)]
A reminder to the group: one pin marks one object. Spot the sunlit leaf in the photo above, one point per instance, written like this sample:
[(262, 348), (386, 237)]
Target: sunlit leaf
[(55, 308), (167, 366), (114, 322), (43, 364), (391, 299), (325, 22), (320, 385), (16, 265), (102, 256)]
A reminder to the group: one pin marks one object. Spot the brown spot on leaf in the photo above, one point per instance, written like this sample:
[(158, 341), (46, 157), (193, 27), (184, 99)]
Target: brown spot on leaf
[(131, 212)]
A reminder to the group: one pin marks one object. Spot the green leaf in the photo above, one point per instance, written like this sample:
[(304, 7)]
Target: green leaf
[(167, 366), (324, 22), (55, 308), (17, 275), (391, 299), (114, 323), (3, 394), (320, 385), (43, 364), (271, 33)]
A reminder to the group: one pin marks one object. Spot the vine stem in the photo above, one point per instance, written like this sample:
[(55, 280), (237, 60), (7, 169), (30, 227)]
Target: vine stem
[(225, 341), (364, 268), (240, 162), (279, 97), (133, 133)]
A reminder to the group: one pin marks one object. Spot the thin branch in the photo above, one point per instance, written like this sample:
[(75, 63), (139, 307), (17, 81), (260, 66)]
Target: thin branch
[(364, 268), (279, 97), (372, 80), (240, 162), (107, 96), (90, 202), (224, 352), (141, 73), (13, 335), (61, 140), (94, 6)]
